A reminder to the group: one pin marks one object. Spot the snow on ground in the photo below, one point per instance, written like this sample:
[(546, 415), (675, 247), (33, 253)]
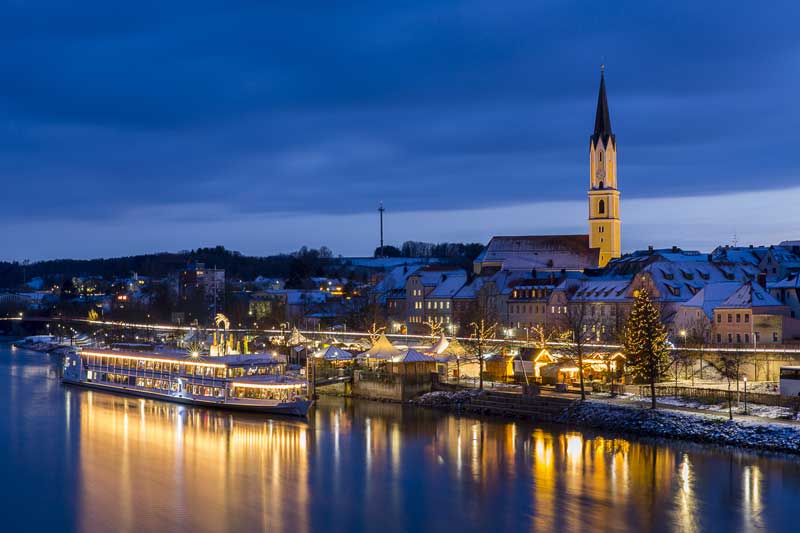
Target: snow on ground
[(762, 387), (753, 409), (447, 399), (686, 426)]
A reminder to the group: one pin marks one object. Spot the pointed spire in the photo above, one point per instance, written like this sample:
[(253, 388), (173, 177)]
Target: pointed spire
[(602, 120)]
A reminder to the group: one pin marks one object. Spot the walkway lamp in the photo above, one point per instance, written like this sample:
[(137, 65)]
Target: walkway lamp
[(744, 378)]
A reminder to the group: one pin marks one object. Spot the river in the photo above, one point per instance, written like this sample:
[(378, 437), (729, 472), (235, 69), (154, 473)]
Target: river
[(80, 460)]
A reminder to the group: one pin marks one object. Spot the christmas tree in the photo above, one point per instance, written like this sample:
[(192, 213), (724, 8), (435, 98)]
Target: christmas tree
[(646, 342)]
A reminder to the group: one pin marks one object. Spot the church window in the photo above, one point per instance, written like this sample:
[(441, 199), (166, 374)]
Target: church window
[(601, 207), (601, 185)]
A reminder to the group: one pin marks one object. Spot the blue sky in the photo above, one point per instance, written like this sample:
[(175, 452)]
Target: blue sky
[(264, 126)]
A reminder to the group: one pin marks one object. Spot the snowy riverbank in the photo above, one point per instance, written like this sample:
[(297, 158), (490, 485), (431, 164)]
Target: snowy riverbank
[(685, 426), (661, 423)]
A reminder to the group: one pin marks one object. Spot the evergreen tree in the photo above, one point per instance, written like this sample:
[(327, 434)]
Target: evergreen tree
[(646, 342)]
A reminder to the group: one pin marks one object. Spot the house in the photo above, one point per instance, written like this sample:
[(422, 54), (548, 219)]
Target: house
[(750, 315), (429, 293), (787, 291)]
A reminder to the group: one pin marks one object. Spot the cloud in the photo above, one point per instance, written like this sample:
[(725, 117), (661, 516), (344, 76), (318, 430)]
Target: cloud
[(321, 108)]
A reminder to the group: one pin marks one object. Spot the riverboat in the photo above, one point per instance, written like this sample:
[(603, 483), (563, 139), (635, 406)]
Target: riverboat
[(255, 382)]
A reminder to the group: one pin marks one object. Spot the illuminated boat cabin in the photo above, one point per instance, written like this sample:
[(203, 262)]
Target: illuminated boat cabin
[(230, 379)]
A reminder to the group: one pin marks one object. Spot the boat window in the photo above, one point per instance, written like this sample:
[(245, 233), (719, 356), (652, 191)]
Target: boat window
[(790, 373)]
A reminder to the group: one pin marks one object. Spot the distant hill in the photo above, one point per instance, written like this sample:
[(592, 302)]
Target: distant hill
[(151, 265)]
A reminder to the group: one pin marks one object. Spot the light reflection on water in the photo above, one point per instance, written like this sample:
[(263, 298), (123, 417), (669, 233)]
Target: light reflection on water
[(106, 462)]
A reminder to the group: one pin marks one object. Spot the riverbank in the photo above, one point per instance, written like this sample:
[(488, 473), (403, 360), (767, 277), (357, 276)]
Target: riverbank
[(693, 427)]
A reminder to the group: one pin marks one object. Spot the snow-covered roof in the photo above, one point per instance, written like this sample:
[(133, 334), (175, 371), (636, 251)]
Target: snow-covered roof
[(749, 295), (712, 295), (792, 281), (470, 290), (680, 281), (334, 353), (602, 290), (433, 276), (394, 281), (449, 286), (411, 356), (739, 254), (570, 252)]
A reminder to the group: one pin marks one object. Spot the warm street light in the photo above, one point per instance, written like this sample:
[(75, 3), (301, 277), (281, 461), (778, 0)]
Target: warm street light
[(744, 378)]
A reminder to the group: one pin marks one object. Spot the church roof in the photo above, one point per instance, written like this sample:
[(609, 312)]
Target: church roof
[(553, 252), (602, 120)]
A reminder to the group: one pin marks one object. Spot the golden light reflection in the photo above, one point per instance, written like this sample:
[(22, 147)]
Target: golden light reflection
[(175, 463), (752, 505), (685, 499), (206, 470)]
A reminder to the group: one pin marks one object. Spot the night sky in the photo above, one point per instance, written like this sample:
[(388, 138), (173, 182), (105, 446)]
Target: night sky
[(262, 126)]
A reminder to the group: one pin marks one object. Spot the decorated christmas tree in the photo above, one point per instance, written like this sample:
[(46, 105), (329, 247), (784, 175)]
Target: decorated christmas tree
[(646, 342)]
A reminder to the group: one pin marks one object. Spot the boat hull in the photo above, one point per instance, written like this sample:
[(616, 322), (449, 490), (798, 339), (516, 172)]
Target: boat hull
[(297, 408)]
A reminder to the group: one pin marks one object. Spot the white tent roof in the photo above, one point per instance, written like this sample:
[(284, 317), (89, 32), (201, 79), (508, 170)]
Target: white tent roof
[(383, 349), (441, 345)]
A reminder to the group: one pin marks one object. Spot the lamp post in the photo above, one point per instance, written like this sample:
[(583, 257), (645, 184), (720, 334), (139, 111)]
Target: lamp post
[(683, 336), (744, 378)]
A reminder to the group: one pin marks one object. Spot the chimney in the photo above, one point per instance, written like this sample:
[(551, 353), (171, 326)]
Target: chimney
[(675, 249), (650, 249)]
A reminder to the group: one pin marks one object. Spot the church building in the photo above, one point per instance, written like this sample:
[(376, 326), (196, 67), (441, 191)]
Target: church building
[(572, 252), (604, 222)]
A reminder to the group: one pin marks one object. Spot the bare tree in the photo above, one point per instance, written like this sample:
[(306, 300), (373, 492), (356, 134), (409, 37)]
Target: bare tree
[(481, 341), (729, 365), (576, 332), (434, 326), (375, 332)]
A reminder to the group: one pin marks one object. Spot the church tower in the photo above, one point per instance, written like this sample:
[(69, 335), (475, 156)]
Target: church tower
[(604, 222)]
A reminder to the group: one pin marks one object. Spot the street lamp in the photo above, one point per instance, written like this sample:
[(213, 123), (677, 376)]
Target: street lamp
[(683, 336), (744, 378)]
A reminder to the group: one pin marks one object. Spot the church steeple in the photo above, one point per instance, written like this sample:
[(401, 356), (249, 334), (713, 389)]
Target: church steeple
[(604, 219), (602, 119)]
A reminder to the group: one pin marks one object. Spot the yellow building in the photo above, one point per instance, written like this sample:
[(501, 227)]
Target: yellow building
[(604, 221)]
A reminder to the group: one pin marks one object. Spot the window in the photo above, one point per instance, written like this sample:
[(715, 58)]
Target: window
[(746, 318), (774, 336), (738, 318), (719, 338), (730, 318), (601, 207), (738, 338), (747, 338), (730, 338), (719, 318)]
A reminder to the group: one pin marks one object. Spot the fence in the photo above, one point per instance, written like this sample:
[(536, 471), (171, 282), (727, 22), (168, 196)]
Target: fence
[(721, 395)]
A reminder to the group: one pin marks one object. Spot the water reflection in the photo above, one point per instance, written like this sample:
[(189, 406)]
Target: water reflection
[(106, 462), (188, 468)]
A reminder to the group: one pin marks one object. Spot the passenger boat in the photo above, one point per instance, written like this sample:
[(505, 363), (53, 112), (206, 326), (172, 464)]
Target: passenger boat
[(256, 382)]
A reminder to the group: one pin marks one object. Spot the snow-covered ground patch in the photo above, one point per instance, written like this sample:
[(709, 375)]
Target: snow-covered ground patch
[(686, 426), (446, 398), (753, 409)]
